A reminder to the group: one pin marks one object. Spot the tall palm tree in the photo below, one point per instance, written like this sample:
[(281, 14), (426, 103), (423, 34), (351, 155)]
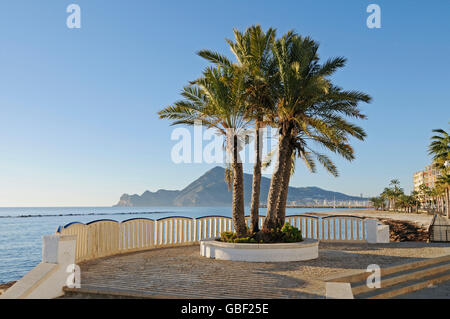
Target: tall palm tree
[(440, 149), (252, 50), (309, 110), (218, 100)]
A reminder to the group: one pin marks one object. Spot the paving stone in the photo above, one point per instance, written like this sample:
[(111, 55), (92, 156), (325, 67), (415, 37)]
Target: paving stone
[(182, 272)]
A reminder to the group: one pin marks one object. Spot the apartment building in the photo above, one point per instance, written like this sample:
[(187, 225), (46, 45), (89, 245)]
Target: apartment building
[(428, 177)]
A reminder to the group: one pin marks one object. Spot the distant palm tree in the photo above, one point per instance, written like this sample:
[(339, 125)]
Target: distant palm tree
[(377, 202), (386, 196), (402, 201), (416, 200), (407, 202), (396, 191), (218, 100), (424, 194)]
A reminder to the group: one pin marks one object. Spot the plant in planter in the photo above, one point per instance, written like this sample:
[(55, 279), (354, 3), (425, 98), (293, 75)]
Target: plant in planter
[(287, 234)]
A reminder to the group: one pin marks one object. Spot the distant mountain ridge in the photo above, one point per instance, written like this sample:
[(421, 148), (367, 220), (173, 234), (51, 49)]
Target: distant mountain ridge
[(210, 189)]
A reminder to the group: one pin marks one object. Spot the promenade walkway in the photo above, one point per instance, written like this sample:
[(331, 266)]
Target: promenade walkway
[(180, 272)]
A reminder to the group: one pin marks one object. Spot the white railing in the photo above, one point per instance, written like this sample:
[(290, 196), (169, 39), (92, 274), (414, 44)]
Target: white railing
[(107, 237)]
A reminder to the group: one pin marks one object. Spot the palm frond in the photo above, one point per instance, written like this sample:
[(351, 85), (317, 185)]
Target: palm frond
[(215, 57)]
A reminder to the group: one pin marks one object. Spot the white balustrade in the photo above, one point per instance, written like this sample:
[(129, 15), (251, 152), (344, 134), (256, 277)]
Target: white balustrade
[(106, 237)]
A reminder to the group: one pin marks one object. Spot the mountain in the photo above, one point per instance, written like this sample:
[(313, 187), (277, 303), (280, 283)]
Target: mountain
[(211, 190), (159, 198)]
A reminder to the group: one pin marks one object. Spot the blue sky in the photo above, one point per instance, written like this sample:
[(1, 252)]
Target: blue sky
[(78, 121)]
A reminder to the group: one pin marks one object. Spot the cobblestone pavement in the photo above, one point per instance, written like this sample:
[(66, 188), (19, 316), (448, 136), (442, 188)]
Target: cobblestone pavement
[(182, 272)]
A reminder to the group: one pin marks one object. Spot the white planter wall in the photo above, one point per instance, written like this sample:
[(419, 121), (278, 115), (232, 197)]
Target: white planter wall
[(305, 250)]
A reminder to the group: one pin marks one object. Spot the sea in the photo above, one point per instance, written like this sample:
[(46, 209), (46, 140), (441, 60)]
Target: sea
[(21, 229)]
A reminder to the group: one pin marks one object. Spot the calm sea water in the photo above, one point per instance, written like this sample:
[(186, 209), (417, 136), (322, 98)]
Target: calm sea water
[(21, 229)]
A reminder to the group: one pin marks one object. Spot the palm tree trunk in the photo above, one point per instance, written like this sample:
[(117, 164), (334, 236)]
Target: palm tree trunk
[(256, 187), (281, 205), (443, 204), (238, 193), (275, 183), (447, 201)]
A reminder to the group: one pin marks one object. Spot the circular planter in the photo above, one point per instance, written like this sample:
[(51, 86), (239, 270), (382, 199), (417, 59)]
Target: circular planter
[(306, 250)]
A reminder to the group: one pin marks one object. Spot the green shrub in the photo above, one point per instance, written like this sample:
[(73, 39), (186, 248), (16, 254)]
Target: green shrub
[(245, 240), (291, 233), (287, 234), (228, 237)]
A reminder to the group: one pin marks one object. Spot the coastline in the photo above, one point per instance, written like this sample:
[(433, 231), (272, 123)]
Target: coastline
[(404, 227), (414, 246), (423, 220)]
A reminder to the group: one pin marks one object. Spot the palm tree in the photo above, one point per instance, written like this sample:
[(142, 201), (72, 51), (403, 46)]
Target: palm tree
[(444, 182), (416, 200), (252, 50), (386, 196), (218, 100), (440, 149), (439, 193), (424, 194), (377, 202), (396, 191), (309, 110), (402, 201), (435, 194)]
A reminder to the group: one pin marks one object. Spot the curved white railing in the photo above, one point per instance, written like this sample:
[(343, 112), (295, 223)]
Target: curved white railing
[(103, 238), (343, 228)]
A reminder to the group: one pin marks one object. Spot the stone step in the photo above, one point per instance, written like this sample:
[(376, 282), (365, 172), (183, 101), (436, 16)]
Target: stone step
[(412, 286), (400, 279), (362, 276), (405, 276)]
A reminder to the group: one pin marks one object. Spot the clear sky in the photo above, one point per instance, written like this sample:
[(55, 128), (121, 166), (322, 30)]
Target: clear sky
[(78, 123)]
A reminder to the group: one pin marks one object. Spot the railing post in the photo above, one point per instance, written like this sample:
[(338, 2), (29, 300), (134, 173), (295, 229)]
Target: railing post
[(371, 226)]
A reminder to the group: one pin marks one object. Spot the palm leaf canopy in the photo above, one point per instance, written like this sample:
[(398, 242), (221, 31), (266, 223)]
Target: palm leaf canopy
[(252, 50), (310, 106), (440, 147), (216, 99)]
